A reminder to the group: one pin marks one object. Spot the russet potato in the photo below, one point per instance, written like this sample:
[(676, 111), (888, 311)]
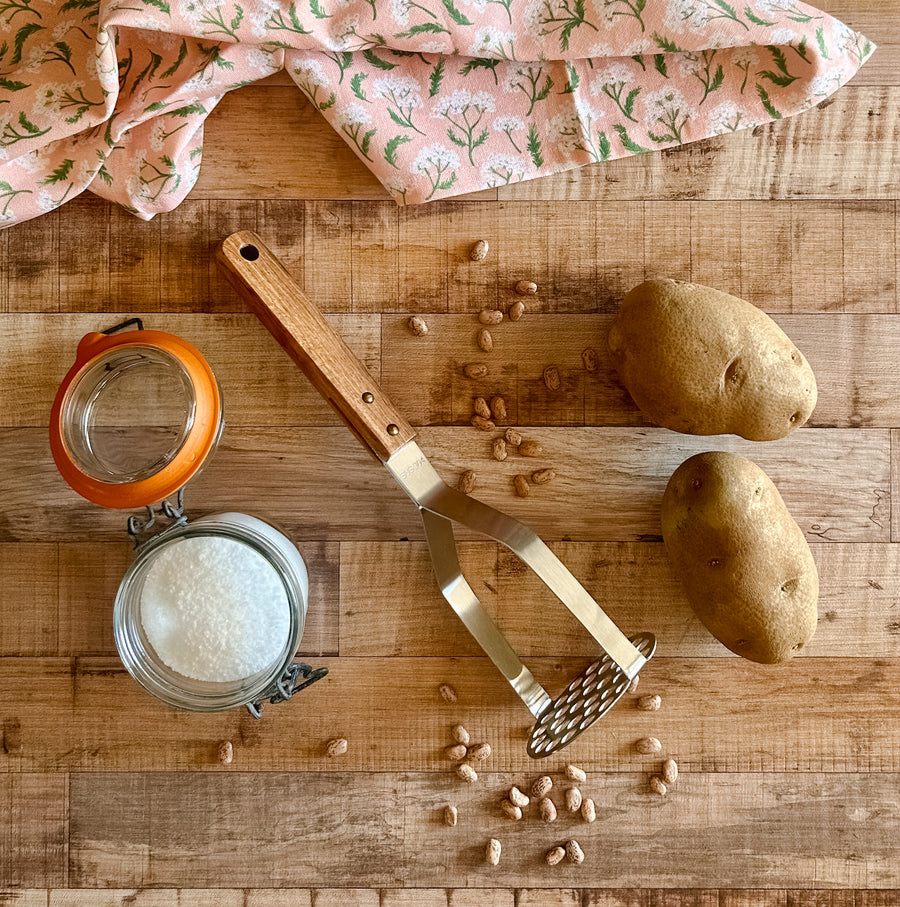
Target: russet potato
[(699, 361), (742, 559)]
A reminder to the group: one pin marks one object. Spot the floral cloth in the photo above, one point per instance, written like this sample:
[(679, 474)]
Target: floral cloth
[(437, 97)]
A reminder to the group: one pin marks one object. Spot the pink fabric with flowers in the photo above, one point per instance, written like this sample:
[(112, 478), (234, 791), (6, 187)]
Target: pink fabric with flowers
[(436, 97)]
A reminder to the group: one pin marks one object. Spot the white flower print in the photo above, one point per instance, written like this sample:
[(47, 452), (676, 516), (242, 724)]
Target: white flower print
[(464, 112), (402, 96), (574, 131), (259, 17), (354, 115), (612, 82), (436, 162), (312, 72), (509, 125), (695, 15), (783, 36), (494, 43), (342, 34), (352, 119), (529, 78), (398, 189), (313, 81), (501, 169), (667, 108), (263, 62), (727, 117)]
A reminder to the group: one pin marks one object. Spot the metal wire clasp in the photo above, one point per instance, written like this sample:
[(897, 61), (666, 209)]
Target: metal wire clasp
[(139, 530), (295, 677)]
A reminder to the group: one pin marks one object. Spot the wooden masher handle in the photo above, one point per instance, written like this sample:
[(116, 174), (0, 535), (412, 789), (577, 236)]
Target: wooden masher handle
[(298, 325)]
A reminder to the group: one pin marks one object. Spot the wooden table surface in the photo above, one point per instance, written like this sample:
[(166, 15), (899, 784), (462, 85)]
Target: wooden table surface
[(789, 792)]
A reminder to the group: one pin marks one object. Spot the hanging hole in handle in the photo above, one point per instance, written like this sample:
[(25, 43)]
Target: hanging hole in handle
[(249, 252)]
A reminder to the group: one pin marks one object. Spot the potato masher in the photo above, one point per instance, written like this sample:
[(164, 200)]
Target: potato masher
[(346, 384)]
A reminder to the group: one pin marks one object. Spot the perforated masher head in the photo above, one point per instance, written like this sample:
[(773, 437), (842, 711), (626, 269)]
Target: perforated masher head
[(588, 697)]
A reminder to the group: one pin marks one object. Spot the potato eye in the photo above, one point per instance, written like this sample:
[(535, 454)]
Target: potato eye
[(714, 562), (696, 483), (794, 418), (796, 647)]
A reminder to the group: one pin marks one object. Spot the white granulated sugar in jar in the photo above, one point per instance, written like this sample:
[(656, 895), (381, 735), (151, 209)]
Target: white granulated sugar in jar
[(214, 609)]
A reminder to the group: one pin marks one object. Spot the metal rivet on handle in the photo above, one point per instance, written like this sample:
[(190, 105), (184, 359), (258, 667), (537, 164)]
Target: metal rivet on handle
[(392, 429), (368, 397)]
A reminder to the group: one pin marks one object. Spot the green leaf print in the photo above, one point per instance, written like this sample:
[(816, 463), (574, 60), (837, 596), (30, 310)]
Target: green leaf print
[(446, 184), (424, 28), (182, 53), (666, 44), (356, 85), (755, 19), (572, 78), (277, 22), (534, 146), (820, 40), (327, 103), (149, 71), (764, 97), (390, 149), (317, 10), (639, 59), (9, 85), (22, 35), (630, 8), (159, 4), (627, 143), (800, 49), (187, 111), (778, 57), (628, 109), (11, 135), (437, 76), (481, 63), (454, 13), (367, 138), (61, 173), (14, 7), (604, 146), (7, 192), (92, 5), (659, 61), (371, 57), (776, 78)]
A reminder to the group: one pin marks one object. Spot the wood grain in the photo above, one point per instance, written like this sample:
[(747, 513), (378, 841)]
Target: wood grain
[(719, 715), (33, 827), (784, 255), (833, 481), (181, 826)]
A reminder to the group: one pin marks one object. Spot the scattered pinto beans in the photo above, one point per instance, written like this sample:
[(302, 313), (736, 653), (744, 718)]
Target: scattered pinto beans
[(520, 483), (529, 448), (498, 449), (490, 316), (526, 287), (475, 370), (479, 251), (551, 378), (417, 325), (480, 405), (482, 424), (646, 746), (516, 310), (467, 482), (649, 703), (542, 476), (498, 408)]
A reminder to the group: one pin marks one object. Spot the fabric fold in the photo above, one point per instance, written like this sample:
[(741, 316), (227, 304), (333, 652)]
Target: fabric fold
[(436, 97)]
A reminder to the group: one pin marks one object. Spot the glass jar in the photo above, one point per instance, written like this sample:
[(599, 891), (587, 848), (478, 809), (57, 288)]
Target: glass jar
[(136, 417)]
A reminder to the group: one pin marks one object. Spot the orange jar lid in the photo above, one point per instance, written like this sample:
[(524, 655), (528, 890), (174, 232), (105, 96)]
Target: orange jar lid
[(135, 417)]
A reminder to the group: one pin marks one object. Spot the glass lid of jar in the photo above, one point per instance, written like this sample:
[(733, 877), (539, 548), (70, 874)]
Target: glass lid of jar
[(135, 417)]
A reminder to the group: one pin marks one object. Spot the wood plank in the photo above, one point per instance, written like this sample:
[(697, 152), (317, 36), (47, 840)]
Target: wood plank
[(33, 830), (793, 158), (33, 265), (786, 257), (29, 599), (147, 897), (229, 829), (134, 262), (21, 897), (853, 357), (719, 714), (84, 244), (869, 243), (391, 605), (320, 483), (261, 809), (260, 385), (453, 897)]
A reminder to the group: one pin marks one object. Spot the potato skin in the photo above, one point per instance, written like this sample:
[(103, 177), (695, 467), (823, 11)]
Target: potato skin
[(741, 557), (702, 362)]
